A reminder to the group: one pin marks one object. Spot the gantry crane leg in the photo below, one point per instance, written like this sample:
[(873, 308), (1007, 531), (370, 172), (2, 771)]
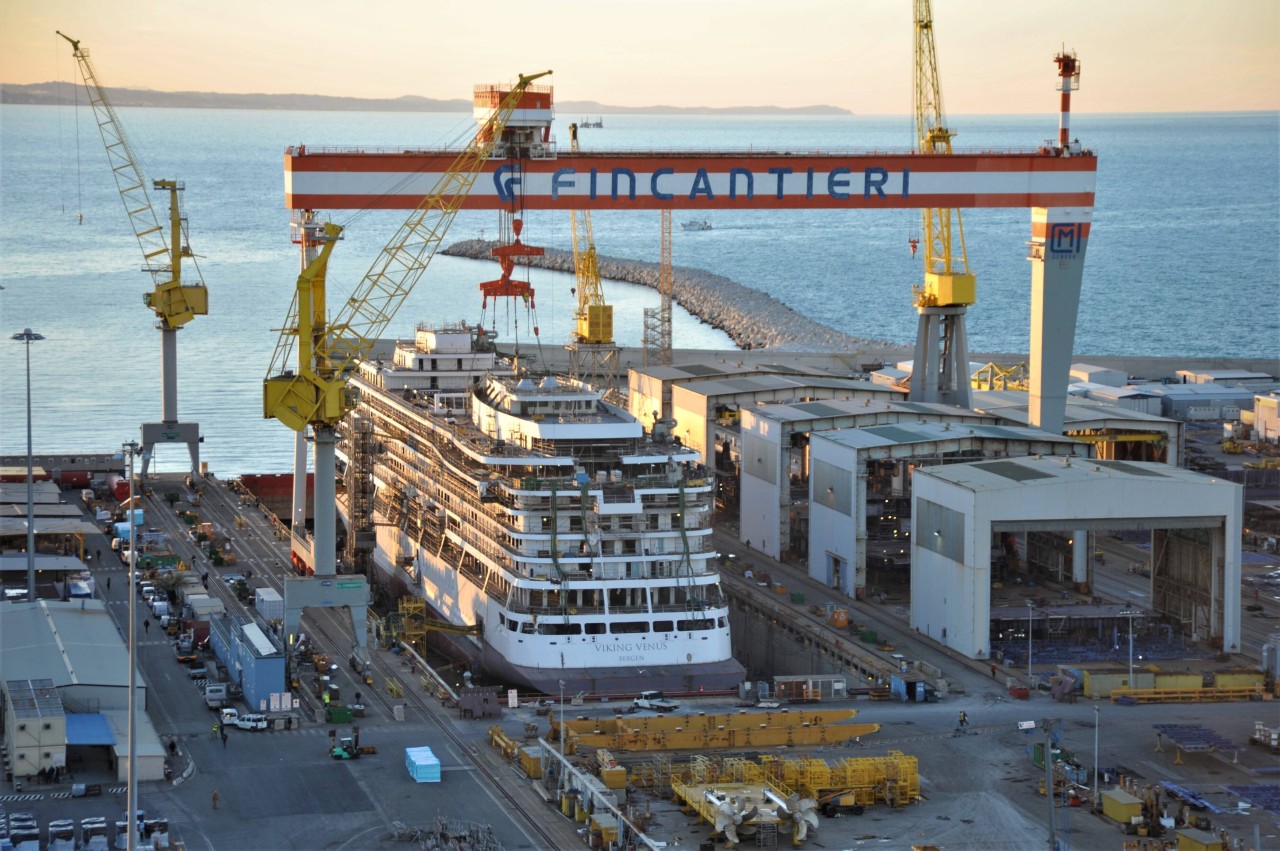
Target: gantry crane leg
[(941, 357)]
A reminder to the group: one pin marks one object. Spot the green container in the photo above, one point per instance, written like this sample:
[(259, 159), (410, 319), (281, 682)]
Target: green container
[(870, 637), (797, 597), (338, 714)]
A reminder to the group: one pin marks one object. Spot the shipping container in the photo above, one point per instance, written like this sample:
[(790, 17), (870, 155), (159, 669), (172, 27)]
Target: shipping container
[(269, 604), (1119, 806)]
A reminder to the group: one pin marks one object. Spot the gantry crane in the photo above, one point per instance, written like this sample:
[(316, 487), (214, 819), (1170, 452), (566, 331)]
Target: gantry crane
[(311, 389), (174, 302), (592, 352), (941, 369)]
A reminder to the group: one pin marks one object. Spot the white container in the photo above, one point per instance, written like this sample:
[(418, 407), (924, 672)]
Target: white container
[(269, 604)]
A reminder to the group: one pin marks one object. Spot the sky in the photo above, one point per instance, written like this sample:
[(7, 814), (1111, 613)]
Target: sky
[(994, 56)]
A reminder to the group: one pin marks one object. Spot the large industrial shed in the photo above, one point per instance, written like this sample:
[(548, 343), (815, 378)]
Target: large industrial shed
[(1117, 432), (958, 509), (774, 450), (843, 460), (1203, 402), (649, 387), (75, 653), (707, 411)]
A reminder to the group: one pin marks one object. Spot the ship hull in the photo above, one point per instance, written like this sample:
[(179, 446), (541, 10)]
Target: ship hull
[(437, 580)]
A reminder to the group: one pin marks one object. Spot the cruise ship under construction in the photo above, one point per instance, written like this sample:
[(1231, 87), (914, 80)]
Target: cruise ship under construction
[(575, 543)]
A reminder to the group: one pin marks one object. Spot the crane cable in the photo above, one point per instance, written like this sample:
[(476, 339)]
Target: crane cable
[(75, 90)]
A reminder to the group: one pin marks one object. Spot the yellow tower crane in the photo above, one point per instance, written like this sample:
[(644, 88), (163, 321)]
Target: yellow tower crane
[(592, 352), (311, 389), (174, 301), (941, 369)]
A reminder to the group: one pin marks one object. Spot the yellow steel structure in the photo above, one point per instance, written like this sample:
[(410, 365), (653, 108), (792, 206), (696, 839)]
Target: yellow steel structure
[(175, 303), (712, 732), (742, 781), (592, 351), (412, 623), (993, 376), (1190, 695), (893, 779), (315, 392), (947, 280)]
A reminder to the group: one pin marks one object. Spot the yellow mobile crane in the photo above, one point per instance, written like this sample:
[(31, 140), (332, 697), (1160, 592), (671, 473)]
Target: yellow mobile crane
[(941, 369), (312, 390), (592, 352), (174, 301)]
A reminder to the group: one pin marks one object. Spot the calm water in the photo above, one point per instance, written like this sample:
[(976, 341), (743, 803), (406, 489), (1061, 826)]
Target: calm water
[(1183, 259)]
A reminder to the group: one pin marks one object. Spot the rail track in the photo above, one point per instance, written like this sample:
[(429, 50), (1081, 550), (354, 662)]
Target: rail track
[(330, 630)]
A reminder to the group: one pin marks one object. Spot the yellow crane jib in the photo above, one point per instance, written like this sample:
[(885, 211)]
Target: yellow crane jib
[(947, 279), (175, 303), (312, 393), (594, 317), (315, 392)]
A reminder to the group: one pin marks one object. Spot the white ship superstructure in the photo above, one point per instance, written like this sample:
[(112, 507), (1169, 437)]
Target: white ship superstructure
[(578, 543)]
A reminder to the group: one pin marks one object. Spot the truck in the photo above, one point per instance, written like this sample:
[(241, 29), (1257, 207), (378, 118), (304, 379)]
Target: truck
[(185, 648), (654, 701), (215, 695)]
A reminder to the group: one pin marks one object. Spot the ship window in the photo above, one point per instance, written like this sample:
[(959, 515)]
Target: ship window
[(622, 627), (596, 628), (559, 629), (663, 626), (695, 624), (513, 625), (526, 628), (720, 621), (433, 364)]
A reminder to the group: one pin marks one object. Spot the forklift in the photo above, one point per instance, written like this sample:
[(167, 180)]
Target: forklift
[(349, 747)]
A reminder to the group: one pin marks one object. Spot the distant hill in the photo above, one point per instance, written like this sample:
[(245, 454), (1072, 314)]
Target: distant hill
[(58, 93)]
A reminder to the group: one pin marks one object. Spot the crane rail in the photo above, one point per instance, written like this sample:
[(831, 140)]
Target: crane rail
[(528, 819)]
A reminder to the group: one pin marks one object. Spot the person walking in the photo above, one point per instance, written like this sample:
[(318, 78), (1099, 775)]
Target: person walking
[(964, 721), (993, 671), (146, 625), (215, 799), (108, 583), (224, 736)]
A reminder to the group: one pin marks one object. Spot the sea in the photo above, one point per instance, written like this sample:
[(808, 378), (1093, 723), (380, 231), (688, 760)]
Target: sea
[(1183, 259)]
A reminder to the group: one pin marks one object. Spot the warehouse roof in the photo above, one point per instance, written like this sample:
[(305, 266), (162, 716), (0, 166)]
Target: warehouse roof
[(75, 642)]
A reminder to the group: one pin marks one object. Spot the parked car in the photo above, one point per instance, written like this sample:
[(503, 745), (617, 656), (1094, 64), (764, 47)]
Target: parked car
[(251, 722), (197, 671)]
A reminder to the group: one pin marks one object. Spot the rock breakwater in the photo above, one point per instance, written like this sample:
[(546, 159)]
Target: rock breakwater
[(752, 319)]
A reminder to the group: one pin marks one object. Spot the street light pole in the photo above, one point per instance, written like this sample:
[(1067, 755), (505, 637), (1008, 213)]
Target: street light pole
[(131, 449), (27, 337), (1095, 758), (1130, 649), (1130, 613), (1030, 616)]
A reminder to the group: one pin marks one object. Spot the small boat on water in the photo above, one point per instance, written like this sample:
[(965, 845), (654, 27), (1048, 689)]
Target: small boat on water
[(697, 224)]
